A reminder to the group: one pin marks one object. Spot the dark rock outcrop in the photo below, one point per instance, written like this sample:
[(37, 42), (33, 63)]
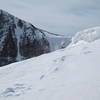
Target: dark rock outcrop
[(21, 40)]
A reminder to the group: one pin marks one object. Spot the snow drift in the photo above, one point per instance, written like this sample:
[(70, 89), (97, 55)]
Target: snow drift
[(88, 35)]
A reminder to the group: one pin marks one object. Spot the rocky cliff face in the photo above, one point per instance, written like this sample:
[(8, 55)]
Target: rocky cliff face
[(20, 40)]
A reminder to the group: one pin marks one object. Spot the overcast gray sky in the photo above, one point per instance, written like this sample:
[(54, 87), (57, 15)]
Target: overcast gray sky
[(57, 16)]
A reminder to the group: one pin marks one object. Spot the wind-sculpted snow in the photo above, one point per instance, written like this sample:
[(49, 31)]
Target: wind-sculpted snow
[(72, 73), (88, 35)]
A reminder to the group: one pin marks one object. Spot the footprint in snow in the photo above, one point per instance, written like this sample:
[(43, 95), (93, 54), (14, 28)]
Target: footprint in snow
[(16, 90)]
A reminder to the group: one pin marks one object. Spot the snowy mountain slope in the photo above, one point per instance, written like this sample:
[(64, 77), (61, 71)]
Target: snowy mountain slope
[(72, 73), (88, 35), (56, 41), (21, 40)]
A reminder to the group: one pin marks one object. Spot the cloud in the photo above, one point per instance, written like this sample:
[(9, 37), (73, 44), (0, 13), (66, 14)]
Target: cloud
[(58, 16)]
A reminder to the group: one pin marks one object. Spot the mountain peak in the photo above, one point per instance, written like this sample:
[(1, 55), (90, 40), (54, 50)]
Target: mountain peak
[(21, 40)]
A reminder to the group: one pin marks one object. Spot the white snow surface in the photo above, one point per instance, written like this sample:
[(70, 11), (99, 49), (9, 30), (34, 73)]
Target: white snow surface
[(88, 35), (72, 73)]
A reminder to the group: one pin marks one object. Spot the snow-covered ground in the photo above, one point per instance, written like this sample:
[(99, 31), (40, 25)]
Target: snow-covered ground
[(88, 35), (72, 73)]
